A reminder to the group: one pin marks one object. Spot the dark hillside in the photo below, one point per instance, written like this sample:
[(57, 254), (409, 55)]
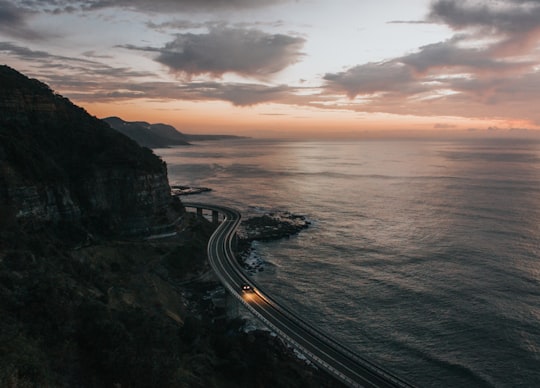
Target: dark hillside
[(54, 129), (61, 164)]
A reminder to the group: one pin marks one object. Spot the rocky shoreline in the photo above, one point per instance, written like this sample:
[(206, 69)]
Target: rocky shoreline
[(177, 190), (273, 226), (267, 227)]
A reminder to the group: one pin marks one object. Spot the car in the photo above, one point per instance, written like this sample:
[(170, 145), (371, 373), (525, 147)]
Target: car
[(247, 288)]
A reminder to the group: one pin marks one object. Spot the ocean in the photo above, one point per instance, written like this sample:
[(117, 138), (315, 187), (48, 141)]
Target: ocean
[(423, 255)]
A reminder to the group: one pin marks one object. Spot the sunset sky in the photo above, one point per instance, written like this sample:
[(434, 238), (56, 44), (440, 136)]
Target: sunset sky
[(287, 67)]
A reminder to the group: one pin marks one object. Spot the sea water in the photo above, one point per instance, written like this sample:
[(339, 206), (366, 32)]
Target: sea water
[(423, 255)]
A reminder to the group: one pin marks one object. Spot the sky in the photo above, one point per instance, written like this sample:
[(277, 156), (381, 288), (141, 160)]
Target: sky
[(298, 68)]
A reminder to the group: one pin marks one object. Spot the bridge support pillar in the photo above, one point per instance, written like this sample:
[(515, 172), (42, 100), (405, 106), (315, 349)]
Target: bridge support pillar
[(199, 212), (215, 217)]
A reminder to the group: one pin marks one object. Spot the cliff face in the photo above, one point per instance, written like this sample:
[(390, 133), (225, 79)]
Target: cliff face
[(135, 202), (59, 164)]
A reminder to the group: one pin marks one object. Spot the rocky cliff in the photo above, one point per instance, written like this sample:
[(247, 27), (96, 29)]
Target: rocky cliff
[(59, 164)]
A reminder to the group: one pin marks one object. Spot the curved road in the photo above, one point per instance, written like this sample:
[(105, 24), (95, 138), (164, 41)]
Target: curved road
[(318, 346)]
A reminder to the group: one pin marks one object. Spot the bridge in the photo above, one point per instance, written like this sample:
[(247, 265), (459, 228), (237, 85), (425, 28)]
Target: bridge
[(318, 346)]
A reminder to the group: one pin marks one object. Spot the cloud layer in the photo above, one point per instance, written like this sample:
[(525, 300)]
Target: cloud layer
[(487, 66)]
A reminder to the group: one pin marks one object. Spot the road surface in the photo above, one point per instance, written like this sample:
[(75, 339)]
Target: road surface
[(326, 352)]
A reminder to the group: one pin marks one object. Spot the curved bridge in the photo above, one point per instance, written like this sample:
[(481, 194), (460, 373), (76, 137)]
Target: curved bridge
[(327, 353)]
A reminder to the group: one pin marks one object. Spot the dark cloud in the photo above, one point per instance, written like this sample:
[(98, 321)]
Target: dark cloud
[(450, 55), (193, 5), (59, 6), (68, 73), (370, 78), (515, 22), (209, 25), (26, 53), (13, 21), (181, 25), (238, 94), (509, 16), (39, 56), (10, 15), (251, 53)]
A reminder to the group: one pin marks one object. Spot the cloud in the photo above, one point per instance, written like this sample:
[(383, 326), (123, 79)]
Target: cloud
[(250, 53), (10, 15), (13, 21), (489, 67), (451, 56), (60, 6), (183, 24), (502, 98), (504, 16), (94, 54), (238, 94), (180, 5), (515, 22), (409, 22), (444, 126), (28, 54), (370, 78), (69, 73), (49, 61)]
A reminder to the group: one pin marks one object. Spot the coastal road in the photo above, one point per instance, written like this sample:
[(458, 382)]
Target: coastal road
[(324, 351)]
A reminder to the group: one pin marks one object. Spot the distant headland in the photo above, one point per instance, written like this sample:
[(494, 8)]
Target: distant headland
[(159, 135)]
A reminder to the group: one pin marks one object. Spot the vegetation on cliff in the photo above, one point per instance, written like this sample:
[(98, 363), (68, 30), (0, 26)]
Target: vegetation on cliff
[(47, 136), (59, 164)]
